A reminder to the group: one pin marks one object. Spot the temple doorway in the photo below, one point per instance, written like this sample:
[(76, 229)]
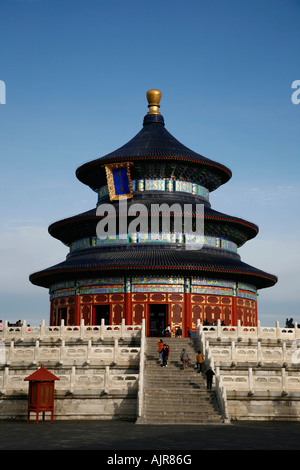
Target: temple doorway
[(62, 315), (101, 312), (158, 314)]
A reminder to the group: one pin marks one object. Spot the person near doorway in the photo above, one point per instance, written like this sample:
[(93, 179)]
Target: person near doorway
[(168, 330), (165, 355), (160, 345), (199, 361), (178, 333), (209, 378)]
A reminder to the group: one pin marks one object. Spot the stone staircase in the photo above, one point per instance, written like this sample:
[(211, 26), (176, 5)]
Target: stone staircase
[(173, 395)]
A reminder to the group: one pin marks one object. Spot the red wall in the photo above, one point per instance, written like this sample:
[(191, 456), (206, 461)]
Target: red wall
[(183, 309)]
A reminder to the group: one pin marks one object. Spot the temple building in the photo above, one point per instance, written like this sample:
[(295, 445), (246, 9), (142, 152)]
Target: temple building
[(122, 265)]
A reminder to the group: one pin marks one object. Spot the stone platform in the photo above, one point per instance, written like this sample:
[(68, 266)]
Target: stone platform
[(111, 373)]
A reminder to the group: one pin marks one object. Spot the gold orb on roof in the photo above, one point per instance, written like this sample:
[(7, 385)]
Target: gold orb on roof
[(153, 97)]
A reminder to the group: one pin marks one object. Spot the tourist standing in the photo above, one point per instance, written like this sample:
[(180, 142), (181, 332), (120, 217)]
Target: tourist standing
[(160, 345), (184, 358), (209, 378), (165, 355), (178, 333), (199, 361)]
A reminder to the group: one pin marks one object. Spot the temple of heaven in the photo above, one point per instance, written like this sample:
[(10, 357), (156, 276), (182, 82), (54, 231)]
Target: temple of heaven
[(122, 265)]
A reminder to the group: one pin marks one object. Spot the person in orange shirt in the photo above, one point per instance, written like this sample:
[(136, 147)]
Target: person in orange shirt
[(199, 361), (160, 345)]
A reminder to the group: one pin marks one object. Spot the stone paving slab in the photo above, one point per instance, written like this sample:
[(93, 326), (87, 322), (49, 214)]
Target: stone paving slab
[(128, 436)]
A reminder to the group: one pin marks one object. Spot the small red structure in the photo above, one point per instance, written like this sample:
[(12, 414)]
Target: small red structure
[(41, 393)]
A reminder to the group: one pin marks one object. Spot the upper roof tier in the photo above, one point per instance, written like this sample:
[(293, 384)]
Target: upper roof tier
[(154, 145)]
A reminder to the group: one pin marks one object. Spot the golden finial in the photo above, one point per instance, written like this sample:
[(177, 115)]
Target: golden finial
[(153, 97)]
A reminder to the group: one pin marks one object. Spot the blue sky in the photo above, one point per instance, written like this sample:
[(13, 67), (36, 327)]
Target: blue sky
[(76, 75)]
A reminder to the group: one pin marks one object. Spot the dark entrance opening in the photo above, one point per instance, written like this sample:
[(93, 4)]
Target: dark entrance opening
[(101, 311), (157, 319), (62, 315)]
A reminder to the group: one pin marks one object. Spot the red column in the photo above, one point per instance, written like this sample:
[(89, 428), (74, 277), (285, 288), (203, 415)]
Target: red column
[(188, 312), (128, 308), (128, 302), (77, 309), (51, 313), (255, 320), (234, 310)]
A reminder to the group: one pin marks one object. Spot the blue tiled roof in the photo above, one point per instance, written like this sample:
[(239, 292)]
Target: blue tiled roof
[(154, 144)]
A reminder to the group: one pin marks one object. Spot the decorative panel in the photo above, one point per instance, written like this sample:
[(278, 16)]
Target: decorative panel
[(212, 299), (116, 298), (226, 300), (71, 316), (117, 313), (176, 297), (197, 313), (139, 297), (138, 313), (86, 314), (101, 298), (176, 313), (158, 298), (198, 298)]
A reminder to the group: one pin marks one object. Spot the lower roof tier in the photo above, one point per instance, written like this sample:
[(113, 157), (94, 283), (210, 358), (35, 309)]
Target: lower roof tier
[(133, 262)]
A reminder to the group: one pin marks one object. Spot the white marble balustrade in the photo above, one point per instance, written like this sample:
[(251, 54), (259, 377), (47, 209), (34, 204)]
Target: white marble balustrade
[(82, 331)]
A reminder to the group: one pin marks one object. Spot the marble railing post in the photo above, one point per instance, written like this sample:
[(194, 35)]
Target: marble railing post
[(62, 329), (10, 354), (123, 328), (140, 401), (82, 329), (102, 329), (106, 379), (233, 351), (283, 378), (259, 330), (89, 351), (36, 352), (5, 378), (72, 378), (284, 351), (62, 351), (250, 379), (116, 351), (221, 395), (278, 330), (42, 330), (259, 351), (219, 329)]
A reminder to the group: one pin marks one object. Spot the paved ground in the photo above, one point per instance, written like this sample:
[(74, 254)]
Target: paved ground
[(115, 435)]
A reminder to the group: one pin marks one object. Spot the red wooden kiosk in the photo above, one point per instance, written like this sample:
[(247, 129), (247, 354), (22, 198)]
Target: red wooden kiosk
[(41, 393)]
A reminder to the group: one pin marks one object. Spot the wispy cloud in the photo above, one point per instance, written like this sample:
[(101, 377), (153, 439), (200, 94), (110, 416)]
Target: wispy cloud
[(272, 194)]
